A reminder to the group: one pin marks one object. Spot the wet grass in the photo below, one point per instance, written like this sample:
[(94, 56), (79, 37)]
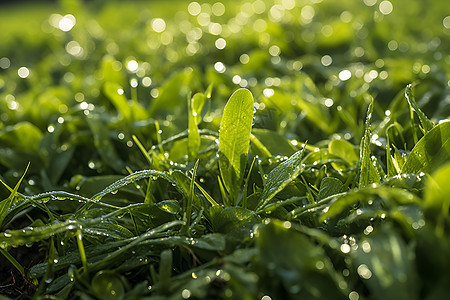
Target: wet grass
[(225, 151)]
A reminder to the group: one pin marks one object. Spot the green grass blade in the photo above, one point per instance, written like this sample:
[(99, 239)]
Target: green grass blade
[(207, 196), (223, 193), (247, 180), (16, 238), (260, 146), (136, 177), (368, 171), (390, 166), (344, 150), (188, 202), (234, 137), (5, 205), (114, 187), (79, 237), (426, 123), (143, 150), (280, 177), (165, 270), (195, 106)]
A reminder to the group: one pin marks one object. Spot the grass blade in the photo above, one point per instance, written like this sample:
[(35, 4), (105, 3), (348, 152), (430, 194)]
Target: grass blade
[(195, 106), (247, 180), (207, 196), (369, 173), (427, 125), (6, 204), (280, 177), (187, 211)]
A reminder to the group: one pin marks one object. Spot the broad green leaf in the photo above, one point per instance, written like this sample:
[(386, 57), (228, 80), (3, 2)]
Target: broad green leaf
[(58, 163), (329, 186), (426, 123), (432, 151), (321, 156), (386, 265), (49, 102), (21, 136), (280, 177), (344, 150), (169, 206), (237, 221), (369, 173), (234, 138)]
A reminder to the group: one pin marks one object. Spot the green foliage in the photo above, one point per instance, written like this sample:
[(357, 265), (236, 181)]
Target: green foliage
[(234, 138), (280, 177), (387, 264), (427, 125), (431, 152), (225, 150), (369, 173)]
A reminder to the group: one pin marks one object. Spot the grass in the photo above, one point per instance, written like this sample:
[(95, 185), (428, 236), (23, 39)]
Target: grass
[(254, 150)]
